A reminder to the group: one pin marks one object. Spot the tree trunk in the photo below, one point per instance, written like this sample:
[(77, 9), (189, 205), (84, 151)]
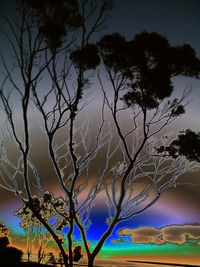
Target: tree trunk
[(70, 244), (90, 261), (65, 259)]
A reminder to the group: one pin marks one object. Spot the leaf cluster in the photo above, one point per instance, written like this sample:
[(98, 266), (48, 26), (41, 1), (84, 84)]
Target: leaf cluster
[(187, 144), (147, 62), (48, 207), (4, 230), (54, 17), (87, 57)]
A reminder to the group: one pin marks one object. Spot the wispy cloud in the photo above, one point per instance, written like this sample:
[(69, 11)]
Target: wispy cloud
[(119, 241), (177, 234)]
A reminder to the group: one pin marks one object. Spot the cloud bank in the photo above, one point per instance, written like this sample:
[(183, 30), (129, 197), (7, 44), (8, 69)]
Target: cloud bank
[(176, 234)]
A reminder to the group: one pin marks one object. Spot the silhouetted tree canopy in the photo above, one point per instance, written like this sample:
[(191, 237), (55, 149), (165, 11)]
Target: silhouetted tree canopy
[(149, 63), (183, 60), (87, 57), (54, 17), (187, 144)]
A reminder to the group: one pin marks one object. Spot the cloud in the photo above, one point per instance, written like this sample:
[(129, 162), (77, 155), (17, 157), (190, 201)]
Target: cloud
[(141, 235), (119, 241), (181, 234), (177, 234)]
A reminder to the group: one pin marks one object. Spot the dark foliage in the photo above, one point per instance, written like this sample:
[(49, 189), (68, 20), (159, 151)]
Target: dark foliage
[(187, 144), (182, 60), (9, 256), (114, 52), (4, 241), (77, 254), (148, 62), (87, 57), (55, 18)]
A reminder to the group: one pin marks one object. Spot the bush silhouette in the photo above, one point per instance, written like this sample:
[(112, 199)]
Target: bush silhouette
[(77, 254), (9, 256)]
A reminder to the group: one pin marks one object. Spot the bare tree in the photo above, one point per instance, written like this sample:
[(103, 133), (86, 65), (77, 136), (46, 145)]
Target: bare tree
[(134, 112), (43, 37)]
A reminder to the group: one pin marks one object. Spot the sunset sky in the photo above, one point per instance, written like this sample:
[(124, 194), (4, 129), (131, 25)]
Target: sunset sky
[(179, 22)]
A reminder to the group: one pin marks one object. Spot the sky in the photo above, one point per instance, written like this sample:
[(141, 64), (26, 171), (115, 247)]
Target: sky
[(178, 21)]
